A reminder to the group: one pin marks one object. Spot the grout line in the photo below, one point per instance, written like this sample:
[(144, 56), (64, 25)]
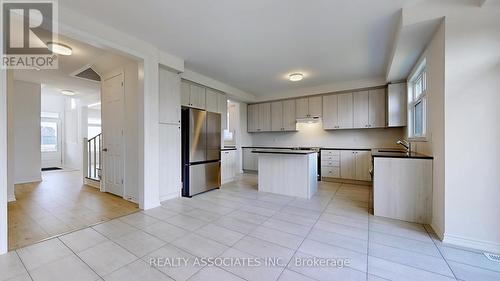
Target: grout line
[(27, 271), (439, 250), (74, 253)]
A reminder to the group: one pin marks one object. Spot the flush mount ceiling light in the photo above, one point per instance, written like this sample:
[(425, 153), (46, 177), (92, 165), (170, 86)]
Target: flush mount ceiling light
[(60, 49), (294, 77), (67, 93)]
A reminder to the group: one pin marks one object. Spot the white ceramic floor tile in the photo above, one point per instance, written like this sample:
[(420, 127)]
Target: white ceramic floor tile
[(139, 243), (114, 228), (11, 266), (180, 271), (403, 231), (220, 234), (278, 237), (68, 268), (263, 249), (288, 227), (202, 215), (405, 244), (424, 262), (395, 271), (469, 257), (165, 231), (252, 273), (304, 221), (317, 249), (349, 221), (186, 222), (259, 210), (43, 253), (137, 271), (288, 275), (324, 273), (236, 224), (22, 277), (200, 246), (470, 273), (346, 230), (354, 244), (212, 273), (160, 213), (248, 217), (139, 220), (106, 257), (82, 239)]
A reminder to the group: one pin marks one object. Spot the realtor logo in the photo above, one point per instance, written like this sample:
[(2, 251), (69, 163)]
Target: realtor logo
[(27, 28)]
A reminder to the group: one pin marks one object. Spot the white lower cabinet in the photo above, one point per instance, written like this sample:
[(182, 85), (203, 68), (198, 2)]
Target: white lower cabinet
[(170, 161), (346, 164), (228, 166), (250, 160)]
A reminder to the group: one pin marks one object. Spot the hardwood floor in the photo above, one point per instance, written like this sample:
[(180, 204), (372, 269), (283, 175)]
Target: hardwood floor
[(59, 204)]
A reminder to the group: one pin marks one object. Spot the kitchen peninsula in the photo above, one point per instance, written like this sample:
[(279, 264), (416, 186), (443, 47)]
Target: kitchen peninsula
[(288, 172)]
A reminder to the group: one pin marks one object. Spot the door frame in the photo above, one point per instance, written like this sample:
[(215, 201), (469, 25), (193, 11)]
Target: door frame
[(108, 76), (60, 136)]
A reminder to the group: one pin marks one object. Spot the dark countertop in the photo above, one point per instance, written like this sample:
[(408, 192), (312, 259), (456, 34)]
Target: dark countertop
[(228, 148), (291, 147), (359, 149), (396, 153), (277, 151), (269, 147)]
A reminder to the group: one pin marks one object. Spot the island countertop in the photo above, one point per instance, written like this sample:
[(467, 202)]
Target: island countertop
[(277, 151)]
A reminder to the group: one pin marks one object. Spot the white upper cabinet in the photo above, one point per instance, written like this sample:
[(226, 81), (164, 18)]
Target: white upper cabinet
[(185, 93), (360, 109), (197, 97), (316, 106), (222, 109), (302, 108), (309, 107), (345, 111), (212, 101), (277, 116), (169, 97), (377, 108), (289, 119), (397, 108), (193, 95), (264, 117), (253, 118), (330, 112)]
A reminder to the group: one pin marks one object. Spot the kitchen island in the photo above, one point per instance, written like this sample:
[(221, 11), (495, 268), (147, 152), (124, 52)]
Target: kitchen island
[(288, 172)]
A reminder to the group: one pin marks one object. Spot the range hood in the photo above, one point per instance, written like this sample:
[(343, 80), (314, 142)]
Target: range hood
[(309, 120)]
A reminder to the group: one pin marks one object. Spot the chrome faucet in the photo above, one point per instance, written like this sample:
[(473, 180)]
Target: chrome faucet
[(406, 145)]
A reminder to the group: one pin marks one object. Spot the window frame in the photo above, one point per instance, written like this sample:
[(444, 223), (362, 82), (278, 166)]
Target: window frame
[(414, 98)]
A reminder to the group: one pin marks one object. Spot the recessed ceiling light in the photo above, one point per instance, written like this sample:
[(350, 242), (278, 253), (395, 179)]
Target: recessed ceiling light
[(60, 49), (67, 93), (294, 77)]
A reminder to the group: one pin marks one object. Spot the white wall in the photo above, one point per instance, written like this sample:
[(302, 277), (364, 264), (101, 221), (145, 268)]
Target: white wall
[(26, 126), (314, 135), (10, 137)]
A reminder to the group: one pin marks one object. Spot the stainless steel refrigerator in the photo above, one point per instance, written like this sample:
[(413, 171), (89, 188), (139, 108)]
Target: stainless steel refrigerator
[(201, 146)]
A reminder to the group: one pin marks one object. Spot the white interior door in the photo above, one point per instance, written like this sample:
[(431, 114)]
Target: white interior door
[(112, 102)]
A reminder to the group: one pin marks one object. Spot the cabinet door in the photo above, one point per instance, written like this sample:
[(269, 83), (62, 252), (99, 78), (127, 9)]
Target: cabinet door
[(212, 101), (169, 97), (185, 93), (330, 112), (277, 116), (360, 109), (197, 96), (347, 164), (316, 106), (289, 119), (252, 117), (170, 160), (249, 160), (302, 108), (363, 164), (222, 109), (264, 117), (377, 108), (345, 111)]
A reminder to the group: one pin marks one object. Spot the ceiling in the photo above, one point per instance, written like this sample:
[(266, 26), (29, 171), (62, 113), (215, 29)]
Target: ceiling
[(84, 55), (253, 45)]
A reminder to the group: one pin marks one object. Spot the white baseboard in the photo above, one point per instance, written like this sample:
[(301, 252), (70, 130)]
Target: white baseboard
[(92, 183), (488, 246), (11, 198), (170, 196)]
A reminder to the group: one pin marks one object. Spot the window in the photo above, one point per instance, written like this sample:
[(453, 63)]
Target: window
[(417, 103), (49, 136)]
